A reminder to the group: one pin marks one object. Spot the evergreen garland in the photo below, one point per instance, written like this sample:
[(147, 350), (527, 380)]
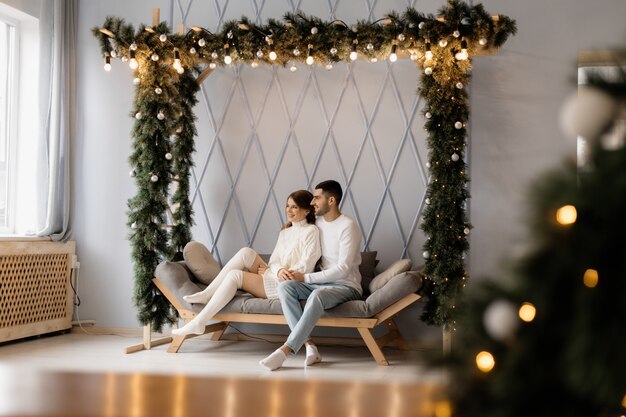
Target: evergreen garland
[(167, 64)]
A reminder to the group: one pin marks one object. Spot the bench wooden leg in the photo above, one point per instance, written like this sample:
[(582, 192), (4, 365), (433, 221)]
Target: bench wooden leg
[(372, 345)]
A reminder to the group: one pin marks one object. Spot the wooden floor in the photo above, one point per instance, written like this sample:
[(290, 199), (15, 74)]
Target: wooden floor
[(79, 374)]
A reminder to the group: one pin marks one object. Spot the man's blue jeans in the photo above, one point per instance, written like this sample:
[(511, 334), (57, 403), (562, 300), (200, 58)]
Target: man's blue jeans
[(319, 297)]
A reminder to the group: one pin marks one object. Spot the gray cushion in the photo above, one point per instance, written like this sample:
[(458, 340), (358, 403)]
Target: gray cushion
[(399, 266), (201, 262)]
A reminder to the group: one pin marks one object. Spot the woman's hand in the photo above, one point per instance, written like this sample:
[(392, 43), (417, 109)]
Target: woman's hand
[(284, 275), (262, 268)]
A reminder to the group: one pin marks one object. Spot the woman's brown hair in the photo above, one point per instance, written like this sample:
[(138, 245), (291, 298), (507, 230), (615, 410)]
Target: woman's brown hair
[(303, 199)]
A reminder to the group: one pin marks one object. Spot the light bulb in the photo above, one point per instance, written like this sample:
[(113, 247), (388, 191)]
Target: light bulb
[(463, 55), (428, 54), (309, 60), (177, 65), (107, 63), (228, 60), (353, 53), (273, 56), (133, 64), (393, 57)]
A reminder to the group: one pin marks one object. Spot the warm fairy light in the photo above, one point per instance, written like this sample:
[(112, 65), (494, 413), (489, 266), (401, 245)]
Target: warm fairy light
[(624, 401), (443, 409), (309, 57), (566, 215), (485, 361), (527, 312), (177, 65), (353, 53), (393, 57), (463, 55), (428, 54), (132, 63), (590, 278), (107, 63), (273, 55)]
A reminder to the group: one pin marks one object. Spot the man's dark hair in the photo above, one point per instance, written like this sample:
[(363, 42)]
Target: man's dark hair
[(331, 188)]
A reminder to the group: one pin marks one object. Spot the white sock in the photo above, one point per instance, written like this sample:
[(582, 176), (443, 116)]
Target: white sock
[(274, 361), (312, 355), (223, 294)]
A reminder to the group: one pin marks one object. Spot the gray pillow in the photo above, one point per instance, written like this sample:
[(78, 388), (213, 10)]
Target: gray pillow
[(367, 268), (399, 266), (200, 262)]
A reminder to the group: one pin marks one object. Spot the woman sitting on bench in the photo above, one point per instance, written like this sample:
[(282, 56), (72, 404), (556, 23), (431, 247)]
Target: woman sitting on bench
[(297, 249)]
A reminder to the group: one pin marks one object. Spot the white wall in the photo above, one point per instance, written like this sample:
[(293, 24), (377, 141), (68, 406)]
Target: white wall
[(516, 97)]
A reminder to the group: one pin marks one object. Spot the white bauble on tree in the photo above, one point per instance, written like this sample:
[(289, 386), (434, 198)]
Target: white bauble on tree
[(501, 319), (588, 113)]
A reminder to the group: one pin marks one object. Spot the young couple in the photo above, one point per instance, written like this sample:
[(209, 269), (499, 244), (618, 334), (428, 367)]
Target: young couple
[(290, 274)]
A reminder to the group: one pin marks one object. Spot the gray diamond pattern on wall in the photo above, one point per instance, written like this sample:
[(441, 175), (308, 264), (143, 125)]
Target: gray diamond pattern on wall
[(265, 132)]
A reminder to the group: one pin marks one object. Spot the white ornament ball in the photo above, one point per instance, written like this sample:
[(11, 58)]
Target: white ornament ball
[(134, 225), (214, 55), (370, 46), (333, 51), (329, 66), (136, 81), (138, 115), (254, 64), (482, 41), (443, 43), (428, 70), (428, 164), (421, 25), (458, 125), (154, 178), (459, 85), (401, 37), (160, 115), (427, 201), (501, 319), (192, 50), (455, 157), (201, 42), (132, 173), (212, 65), (133, 46), (296, 52), (466, 231), (179, 129), (259, 54), (158, 90), (428, 115), (465, 21), (313, 30), (588, 113), (168, 156), (456, 33), (293, 68), (426, 254), (163, 37)]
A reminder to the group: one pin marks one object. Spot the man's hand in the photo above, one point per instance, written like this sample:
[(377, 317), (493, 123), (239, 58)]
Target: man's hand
[(297, 276)]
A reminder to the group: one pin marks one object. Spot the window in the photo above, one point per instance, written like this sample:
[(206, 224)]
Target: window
[(8, 82), (19, 120)]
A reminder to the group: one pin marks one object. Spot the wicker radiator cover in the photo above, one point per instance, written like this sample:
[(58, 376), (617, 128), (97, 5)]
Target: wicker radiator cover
[(35, 291)]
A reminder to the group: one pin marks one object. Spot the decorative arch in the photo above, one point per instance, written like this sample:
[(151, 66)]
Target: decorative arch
[(169, 68)]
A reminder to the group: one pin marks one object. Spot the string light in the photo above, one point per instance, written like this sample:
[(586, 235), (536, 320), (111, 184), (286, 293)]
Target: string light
[(107, 62), (177, 65), (309, 57), (428, 54), (527, 312), (132, 63), (463, 55), (227, 58), (590, 278), (566, 215), (393, 57), (485, 361), (353, 54)]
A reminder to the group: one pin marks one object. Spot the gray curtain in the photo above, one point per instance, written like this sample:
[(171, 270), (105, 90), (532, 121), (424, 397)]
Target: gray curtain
[(57, 25)]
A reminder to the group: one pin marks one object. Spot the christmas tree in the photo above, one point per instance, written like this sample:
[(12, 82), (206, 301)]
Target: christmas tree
[(549, 338)]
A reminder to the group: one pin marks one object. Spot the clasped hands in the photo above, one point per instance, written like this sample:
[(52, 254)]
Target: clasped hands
[(289, 275)]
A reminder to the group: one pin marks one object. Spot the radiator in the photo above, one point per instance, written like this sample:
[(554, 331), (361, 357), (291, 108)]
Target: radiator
[(35, 291)]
